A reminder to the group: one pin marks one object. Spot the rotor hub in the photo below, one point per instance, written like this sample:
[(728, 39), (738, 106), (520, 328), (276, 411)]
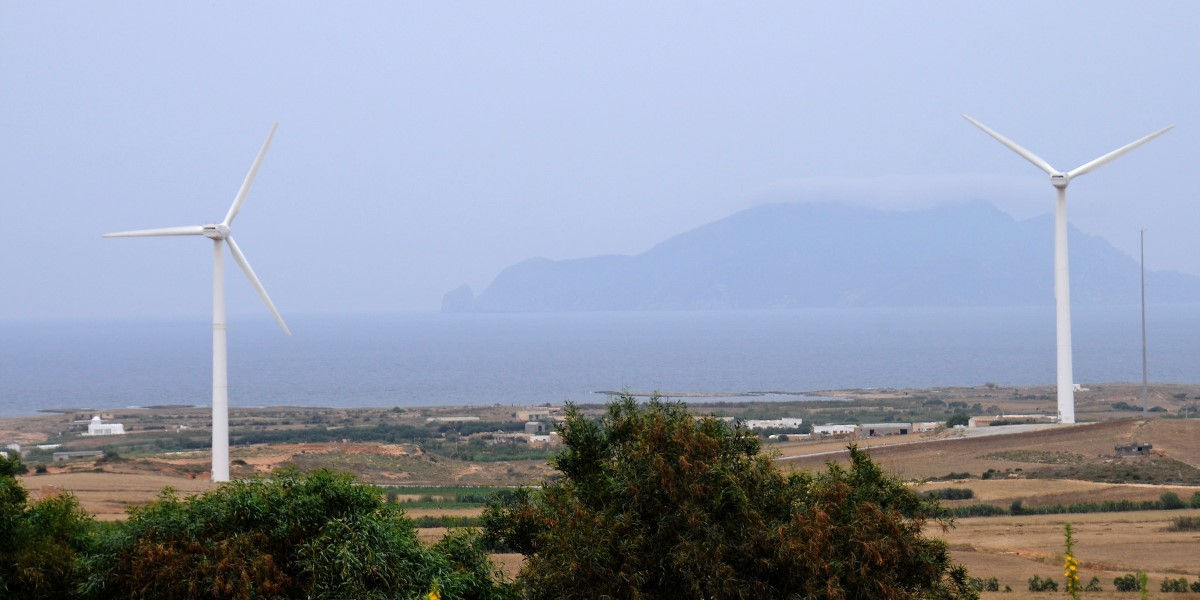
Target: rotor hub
[(216, 232), (1059, 180)]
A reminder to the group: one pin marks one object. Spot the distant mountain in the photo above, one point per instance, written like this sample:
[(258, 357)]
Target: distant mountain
[(820, 255)]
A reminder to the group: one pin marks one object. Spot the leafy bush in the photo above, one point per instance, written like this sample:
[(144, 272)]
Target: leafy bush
[(1126, 583), (1171, 501), (1039, 584), (951, 494), (1093, 585), (1184, 524), (450, 521), (40, 542), (953, 475), (1176, 586), (976, 510), (652, 502), (319, 535), (985, 585), (1195, 503), (1196, 586)]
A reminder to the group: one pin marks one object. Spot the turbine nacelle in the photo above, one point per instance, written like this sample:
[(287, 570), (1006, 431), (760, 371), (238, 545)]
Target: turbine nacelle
[(216, 232), (1060, 180)]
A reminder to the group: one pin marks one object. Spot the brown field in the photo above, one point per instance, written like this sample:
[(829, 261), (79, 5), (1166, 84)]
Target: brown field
[(1178, 439), (108, 494), (1107, 545)]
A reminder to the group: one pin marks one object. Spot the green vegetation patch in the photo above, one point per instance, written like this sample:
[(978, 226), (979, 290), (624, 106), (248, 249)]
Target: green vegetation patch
[(432, 496), (1158, 470), (1045, 457), (1185, 524)]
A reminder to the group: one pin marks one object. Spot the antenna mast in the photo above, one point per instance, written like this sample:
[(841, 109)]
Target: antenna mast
[(1145, 394)]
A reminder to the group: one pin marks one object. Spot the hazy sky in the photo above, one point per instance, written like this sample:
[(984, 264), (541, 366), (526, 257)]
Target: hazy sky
[(424, 145)]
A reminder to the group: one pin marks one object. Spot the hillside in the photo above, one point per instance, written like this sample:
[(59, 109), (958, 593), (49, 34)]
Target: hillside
[(824, 255)]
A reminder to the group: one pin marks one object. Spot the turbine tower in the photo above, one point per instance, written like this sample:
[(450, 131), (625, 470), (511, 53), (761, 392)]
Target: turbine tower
[(220, 233), (1062, 292)]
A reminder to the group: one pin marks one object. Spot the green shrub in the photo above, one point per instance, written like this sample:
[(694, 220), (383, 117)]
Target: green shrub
[(1196, 586), (985, 585), (1176, 586), (317, 535), (955, 475), (951, 494), (653, 503), (1195, 503), (1126, 583), (1038, 584), (1171, 501), (1185, 524), (1093, 585), (41, 541), (976, 510), (958, 419)]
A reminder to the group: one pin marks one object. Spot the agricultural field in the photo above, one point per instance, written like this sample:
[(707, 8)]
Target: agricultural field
[(1107, 545), (440, 463)]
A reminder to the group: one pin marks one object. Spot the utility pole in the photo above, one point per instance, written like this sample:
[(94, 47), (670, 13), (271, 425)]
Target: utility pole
[(1145, 393)]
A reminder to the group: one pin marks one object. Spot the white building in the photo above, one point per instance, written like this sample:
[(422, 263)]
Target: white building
[(784, 423), (834, 429), (95, 427)]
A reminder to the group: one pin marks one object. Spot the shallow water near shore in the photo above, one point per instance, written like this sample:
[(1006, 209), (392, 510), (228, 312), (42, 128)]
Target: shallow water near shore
[(436, 359)]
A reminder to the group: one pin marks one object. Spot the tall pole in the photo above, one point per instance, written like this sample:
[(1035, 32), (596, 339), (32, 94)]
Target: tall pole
[(1145, 387), (220, 387), (1062, 304)]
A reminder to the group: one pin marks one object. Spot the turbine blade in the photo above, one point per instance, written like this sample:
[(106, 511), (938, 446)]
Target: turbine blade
[(1107, 158), (246, 183), (1015, 147), (240, 259), (191, 230)]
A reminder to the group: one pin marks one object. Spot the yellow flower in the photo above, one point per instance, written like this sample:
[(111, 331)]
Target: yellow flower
[(434, 595)]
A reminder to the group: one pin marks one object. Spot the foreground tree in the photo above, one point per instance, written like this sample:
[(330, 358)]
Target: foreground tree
[(294, 535), (40, 541), (654, 503)]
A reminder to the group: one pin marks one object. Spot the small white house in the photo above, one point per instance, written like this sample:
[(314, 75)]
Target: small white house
[(96, 427)]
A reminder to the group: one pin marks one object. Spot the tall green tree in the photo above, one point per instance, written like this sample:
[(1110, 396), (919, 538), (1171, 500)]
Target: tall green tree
[(651, 502)]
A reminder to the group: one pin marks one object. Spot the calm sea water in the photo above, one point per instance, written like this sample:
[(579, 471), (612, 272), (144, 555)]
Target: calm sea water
[(428, 359)]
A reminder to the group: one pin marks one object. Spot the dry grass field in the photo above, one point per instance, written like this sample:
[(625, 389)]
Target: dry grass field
[(108, 494), (1178, 439), (1108, 545)]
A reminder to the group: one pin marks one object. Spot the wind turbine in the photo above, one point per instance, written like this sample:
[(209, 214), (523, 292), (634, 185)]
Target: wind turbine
[(220, 233), (1062, 292)]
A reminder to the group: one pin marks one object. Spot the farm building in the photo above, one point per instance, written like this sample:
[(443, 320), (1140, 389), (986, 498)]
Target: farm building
[(78, 455), (1135, 449), (867, 430), (835, 429), (987, 421), (784, 423)]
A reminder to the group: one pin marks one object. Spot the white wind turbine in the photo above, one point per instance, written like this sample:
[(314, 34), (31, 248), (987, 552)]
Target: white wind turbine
[(1062, 292), (219, 233)]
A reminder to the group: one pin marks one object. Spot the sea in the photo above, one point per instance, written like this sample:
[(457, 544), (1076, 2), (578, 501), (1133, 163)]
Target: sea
[(422, 359)]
